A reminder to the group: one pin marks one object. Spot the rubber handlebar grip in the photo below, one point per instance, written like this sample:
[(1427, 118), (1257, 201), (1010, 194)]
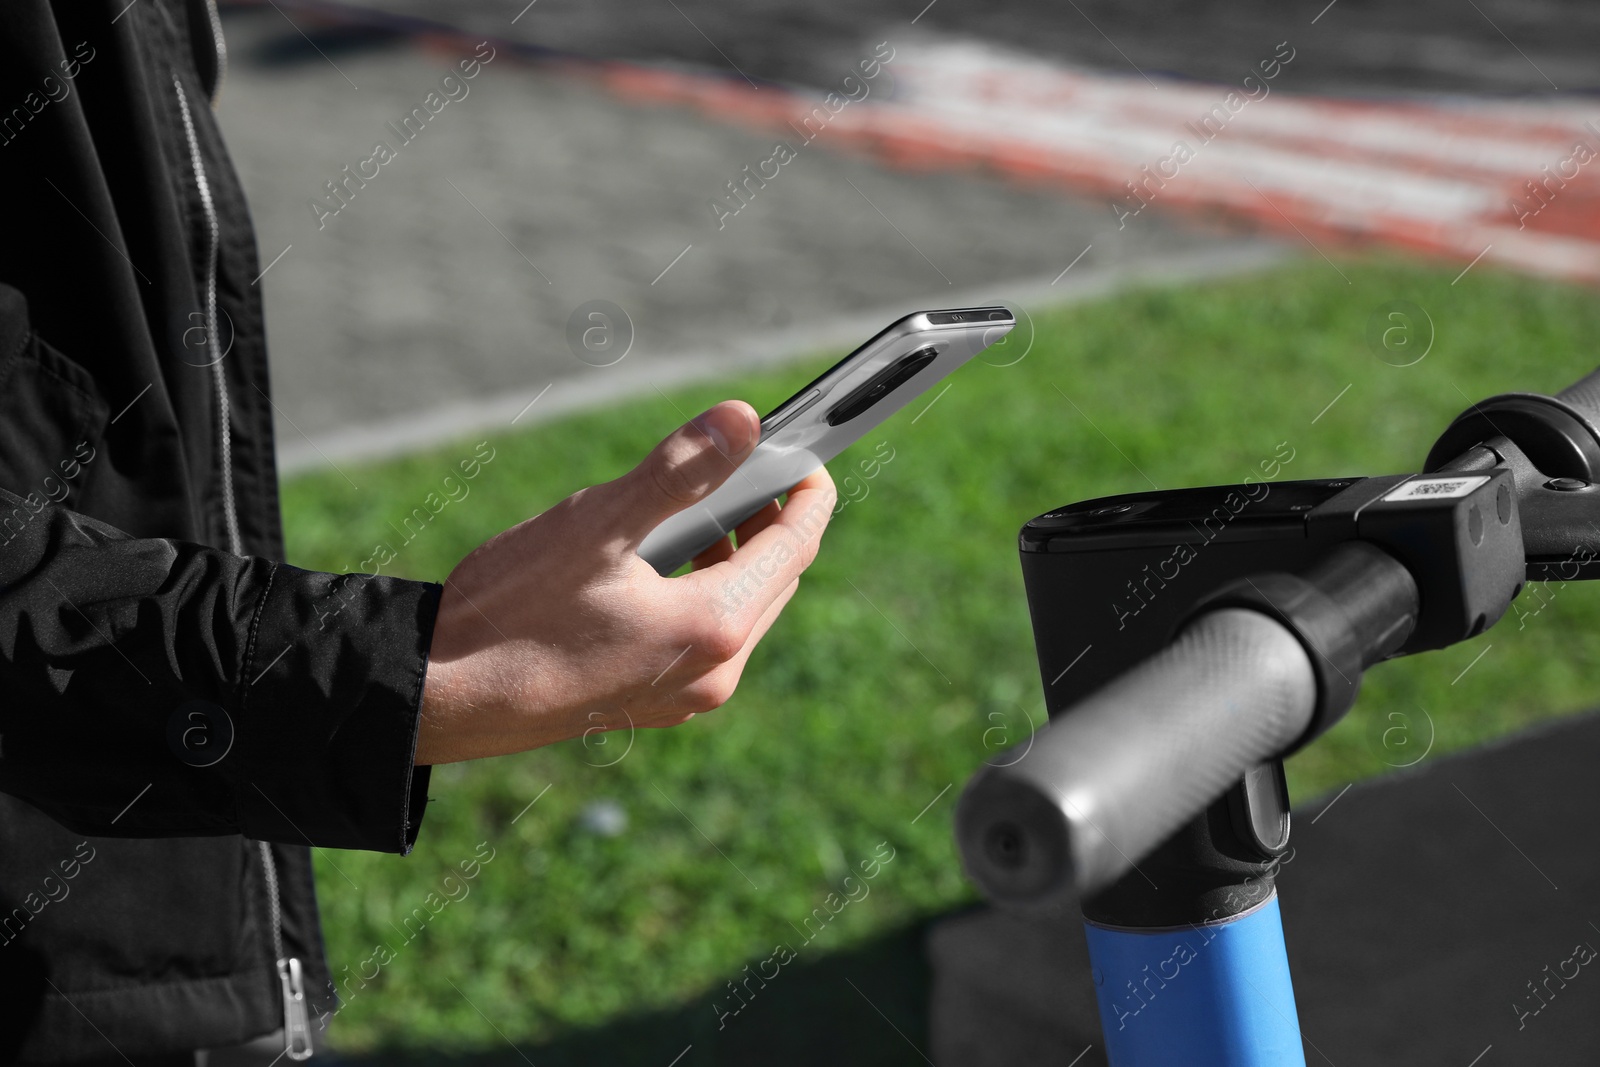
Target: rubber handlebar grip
[(1584, 395), (1110, 778)]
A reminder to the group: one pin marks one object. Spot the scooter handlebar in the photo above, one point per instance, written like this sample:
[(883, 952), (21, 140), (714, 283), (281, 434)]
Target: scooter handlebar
[(1074, 811)]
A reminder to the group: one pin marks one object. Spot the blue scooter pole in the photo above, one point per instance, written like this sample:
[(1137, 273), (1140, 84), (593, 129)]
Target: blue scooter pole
[(1208, 995)]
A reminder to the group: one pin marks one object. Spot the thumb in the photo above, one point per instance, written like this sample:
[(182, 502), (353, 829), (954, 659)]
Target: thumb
[(688, 465)]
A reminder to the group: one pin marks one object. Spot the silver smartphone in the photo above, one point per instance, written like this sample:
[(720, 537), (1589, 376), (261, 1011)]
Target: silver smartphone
[(827, 415)]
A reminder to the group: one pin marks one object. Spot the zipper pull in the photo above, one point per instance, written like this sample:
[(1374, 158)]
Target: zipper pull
[(296, 1020)]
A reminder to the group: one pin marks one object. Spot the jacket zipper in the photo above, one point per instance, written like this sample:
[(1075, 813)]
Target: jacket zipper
[(291, 978), (221, 46), (230, 511), (296, 1017)]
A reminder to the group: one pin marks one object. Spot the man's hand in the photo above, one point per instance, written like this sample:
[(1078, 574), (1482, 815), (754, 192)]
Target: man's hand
[(556, 626)]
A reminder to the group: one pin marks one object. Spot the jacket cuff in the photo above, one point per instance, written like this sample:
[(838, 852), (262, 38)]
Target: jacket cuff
[(330, 701)]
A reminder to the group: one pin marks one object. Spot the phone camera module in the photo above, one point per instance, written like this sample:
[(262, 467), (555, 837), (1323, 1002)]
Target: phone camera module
[(882, 384)]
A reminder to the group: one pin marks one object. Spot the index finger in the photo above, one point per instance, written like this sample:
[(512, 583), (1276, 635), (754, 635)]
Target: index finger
[(760, 569)]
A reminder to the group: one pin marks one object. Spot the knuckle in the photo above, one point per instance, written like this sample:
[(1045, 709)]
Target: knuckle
[(721, 640), (671, 475), (568, 510), (672, 481), (809, 548), (711, 691)]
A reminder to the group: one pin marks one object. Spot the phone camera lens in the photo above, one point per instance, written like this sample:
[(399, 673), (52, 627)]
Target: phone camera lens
[(882, 384)]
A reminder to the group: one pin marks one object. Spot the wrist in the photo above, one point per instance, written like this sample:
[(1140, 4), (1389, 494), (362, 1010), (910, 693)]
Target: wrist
[(449, 712), (435, 738)]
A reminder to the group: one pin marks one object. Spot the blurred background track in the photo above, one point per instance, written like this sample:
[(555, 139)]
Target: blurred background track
[(984, 163), (1362, 47)]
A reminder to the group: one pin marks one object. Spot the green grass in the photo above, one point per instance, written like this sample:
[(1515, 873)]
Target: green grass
[(874, 691)]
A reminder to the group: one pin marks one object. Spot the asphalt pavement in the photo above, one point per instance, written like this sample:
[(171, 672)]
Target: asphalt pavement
[(1353, 47), (447, 291), (437, 298)]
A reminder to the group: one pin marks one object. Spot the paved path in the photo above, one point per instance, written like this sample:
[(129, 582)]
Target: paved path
[(446, 283), (1348, 47), (984, 160), (1513, 182)]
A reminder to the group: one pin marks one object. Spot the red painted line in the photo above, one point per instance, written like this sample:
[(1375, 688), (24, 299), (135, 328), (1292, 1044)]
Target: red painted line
[(1437, 177)]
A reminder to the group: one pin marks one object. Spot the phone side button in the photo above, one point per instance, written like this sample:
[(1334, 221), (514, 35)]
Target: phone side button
[(788, 416)]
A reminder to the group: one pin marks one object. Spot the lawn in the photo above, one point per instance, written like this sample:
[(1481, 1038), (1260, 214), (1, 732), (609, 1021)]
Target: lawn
[(868, 704)]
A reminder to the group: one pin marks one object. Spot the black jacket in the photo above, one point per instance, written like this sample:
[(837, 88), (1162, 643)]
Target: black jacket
[(170, 695)]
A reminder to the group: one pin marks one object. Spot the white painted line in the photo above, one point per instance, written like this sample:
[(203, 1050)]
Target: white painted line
[(407, 432)]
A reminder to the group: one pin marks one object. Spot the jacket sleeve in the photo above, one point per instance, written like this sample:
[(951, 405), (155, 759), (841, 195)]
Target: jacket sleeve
[(154, 688)]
